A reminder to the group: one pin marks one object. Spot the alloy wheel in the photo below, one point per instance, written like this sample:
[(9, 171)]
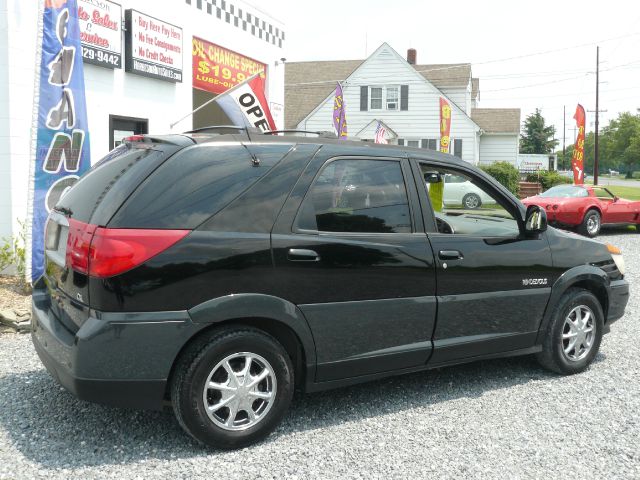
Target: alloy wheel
[(578, 333), (240, 391)]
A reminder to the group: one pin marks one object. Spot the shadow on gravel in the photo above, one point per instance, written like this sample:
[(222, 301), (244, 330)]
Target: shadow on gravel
[(52, 428)]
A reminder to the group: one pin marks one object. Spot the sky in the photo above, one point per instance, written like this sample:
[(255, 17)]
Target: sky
[(554, 40)]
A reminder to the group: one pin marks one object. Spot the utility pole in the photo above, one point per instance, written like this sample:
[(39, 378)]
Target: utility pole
[(596, 153), (564, 134)]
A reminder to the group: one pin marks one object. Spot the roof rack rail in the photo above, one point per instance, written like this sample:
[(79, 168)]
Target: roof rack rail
[(216, 128), (322, 134)]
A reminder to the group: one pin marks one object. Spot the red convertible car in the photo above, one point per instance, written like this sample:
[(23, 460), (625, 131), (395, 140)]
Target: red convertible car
[(586, 207)]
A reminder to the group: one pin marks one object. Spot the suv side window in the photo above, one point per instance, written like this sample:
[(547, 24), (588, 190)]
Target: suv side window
[(464, 206), (365, 196)]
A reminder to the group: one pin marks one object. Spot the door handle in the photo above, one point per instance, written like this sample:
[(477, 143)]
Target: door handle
[(450, 255), (302, 255)]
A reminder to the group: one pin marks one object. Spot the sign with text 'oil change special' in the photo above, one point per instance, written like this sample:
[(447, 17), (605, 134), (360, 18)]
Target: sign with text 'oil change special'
[(153, 47), (217, 69), (101, 32)]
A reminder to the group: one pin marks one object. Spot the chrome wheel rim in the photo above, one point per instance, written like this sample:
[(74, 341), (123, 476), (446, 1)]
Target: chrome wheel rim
[(578, 333), (593, 224), (472, 202), (239, 391)]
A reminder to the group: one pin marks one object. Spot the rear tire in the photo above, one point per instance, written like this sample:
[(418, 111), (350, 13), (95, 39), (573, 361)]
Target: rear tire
[(223, 369), (577, 318), (591, 223)]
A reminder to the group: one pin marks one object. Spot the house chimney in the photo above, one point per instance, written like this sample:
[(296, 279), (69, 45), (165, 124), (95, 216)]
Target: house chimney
[(412, 56)]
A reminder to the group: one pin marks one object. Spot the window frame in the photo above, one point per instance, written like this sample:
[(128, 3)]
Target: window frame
[(415, 216), (429, 213), (386, 98), (382, 97)]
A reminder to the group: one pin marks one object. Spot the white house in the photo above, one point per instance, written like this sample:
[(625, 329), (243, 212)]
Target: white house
[(404, 97)]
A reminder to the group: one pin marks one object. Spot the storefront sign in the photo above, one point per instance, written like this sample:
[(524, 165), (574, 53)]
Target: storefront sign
[(154, 47), (216, 69), (100, 32)]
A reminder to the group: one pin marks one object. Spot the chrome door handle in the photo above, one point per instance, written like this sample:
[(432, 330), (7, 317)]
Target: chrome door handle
[(450, 255), (302, 255)]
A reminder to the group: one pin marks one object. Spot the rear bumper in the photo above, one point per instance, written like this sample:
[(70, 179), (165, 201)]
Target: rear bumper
[(618, 297), (121, 359)]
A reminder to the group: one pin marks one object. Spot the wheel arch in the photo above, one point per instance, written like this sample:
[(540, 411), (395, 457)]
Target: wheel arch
[(587, 277), (274, 316)]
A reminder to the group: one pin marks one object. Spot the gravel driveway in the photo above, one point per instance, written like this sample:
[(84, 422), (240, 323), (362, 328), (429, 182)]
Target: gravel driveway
[(506, 418)]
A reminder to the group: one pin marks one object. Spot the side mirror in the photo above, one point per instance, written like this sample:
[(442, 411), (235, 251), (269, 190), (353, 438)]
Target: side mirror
[(535, 219), (432, 177)]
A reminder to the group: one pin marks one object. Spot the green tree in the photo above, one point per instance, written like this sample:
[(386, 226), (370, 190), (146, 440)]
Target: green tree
[(537, 137)]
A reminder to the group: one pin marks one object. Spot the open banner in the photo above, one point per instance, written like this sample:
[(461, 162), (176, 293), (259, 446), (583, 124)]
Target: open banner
[(246, 104)]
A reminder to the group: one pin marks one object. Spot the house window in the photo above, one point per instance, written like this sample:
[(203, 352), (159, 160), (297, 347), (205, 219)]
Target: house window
[(376, 98), (430, 143), (393, 98), (386, 97), (413, 143), (457, 147)]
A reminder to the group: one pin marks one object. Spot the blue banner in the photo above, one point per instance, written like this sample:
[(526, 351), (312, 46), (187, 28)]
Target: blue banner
[(62, 149)]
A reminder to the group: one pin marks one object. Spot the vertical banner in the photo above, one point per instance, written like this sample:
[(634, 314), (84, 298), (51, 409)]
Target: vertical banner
[(445, 125), (436, 190), (339, 113), (577, 159), (62, 139)]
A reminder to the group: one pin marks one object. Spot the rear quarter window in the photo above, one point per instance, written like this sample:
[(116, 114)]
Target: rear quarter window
[(193, 185), (100, 191)]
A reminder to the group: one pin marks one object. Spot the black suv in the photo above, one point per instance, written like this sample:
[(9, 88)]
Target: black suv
[(219, 272)]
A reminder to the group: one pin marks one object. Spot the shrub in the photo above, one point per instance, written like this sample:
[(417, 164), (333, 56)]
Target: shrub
[(12, 250), (635, 175), (505, 173), (548, 179)]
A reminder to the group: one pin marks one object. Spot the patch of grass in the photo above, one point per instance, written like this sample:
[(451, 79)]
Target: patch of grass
[(628, 193)]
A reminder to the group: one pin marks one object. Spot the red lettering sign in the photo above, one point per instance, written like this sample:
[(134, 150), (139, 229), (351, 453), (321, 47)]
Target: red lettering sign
[(217, 69)]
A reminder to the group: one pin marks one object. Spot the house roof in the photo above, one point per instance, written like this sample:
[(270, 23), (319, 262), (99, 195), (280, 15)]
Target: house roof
[(446, 74), (497, 120), (307, 84)]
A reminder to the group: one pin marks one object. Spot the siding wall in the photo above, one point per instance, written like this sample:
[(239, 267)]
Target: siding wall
[(421, 120), (461, 97), (498, 148)]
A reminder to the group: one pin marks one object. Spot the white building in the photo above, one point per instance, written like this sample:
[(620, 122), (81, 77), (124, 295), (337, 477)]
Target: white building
[(230, 36), (404, 96)]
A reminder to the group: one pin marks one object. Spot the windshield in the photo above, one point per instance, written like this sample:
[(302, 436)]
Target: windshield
[(565, 191)]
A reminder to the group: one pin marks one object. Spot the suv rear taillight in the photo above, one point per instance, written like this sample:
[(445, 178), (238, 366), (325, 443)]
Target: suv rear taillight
[(116, 250), (78, 245), (105, 252)]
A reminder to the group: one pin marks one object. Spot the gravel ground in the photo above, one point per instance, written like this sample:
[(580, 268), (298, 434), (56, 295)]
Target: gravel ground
[(505, 418)]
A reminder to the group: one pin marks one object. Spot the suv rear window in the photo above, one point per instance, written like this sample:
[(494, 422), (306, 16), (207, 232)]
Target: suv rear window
[(193, 185), (115, 176)]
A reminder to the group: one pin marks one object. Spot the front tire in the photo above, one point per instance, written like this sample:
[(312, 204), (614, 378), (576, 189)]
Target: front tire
[(471, 201), (574, 333), (232, 387), (591, 223)]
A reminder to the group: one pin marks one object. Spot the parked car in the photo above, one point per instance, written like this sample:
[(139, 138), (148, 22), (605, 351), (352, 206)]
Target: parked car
[(218, 273), (460, 191), (586, 208)]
